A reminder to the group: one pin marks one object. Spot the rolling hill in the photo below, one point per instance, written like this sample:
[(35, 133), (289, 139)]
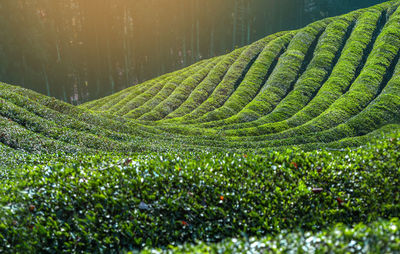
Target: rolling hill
[(295, 132), (334, 79), (332, 84)]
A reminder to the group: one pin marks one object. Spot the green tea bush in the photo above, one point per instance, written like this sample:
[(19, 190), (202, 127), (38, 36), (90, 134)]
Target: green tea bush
[(207, 86), (378, 237), (253, 81), (108, 103), (153, 99), (103, 202), (125, 96), (285, 73), (231, 80), (180, 94), (328, 51), (340, 79), (365, 87)]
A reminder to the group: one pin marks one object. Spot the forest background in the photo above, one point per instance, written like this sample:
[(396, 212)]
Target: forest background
[(79, 50)]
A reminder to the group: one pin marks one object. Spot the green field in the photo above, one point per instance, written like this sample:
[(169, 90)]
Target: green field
[(291, 138)]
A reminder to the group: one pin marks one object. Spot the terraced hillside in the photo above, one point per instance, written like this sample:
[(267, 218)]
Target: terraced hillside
[(334, 79), (334, 83), (297, 132)]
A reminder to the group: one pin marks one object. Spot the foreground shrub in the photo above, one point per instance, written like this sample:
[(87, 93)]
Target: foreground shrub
[(105, 202), (377, 237)]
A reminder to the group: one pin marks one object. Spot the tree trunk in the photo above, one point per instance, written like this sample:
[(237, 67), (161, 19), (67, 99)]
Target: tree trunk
[(46, 80), (234, 24)]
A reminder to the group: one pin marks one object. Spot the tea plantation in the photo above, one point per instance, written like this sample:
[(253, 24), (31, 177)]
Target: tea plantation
[(290, 144)]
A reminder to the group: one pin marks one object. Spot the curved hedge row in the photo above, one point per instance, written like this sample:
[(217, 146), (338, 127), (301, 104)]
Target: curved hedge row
[(289, 68), (326, 54), (156, 94), (323, 83), (116, 104), (106, 103), (343, 74), (257, 75), (373, 77), (180, 94), (234, 77), (207, 86)]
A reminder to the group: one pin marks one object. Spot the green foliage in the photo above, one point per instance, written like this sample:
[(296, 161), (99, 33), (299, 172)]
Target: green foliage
[(99, 202), (253, 80), (207, 86), (328, 48), (179, 95), (234, 77), (377, 237), (152, 98), (268, 141)]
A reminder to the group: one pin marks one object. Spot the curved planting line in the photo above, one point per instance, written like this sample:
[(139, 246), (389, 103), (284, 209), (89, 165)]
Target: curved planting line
[(205, 88), (66, 120), (384, 110), (366, 87), (51, 130), (15, 136), (294, 59), (261, 59), (109, 128), (122, 106), (106, 102), (111, 103), (180, 94), (62, 107), (118, 107), (340, 79), (130, 93), (90, 104), (377, 72), (337, 145), (135, 100), (326, 55), (69, 116), (259, 72), (284, 76), (232, 79), (162, 94), (348, 142), (41, 104), (28, 99)]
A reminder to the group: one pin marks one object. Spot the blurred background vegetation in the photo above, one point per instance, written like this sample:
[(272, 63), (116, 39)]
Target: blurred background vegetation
[(78, 50)]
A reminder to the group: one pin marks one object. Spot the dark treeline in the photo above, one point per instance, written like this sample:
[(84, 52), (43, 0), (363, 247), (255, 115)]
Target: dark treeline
[(78, 50)]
